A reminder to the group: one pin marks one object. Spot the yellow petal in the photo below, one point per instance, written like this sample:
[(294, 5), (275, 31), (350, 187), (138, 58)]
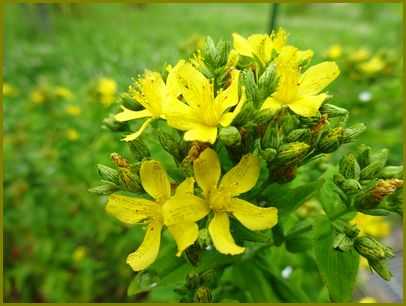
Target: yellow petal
[(131, 210), (181, 116), (152, 94), (185, 234), (228, 97), (317, 77), (186, 187), (253, 217), (184, 208), (228, 118), (155, 180), (242, 177), (207, 170), (148, 251), (138, 133), (219, 229), (241, 45), (271, 104), (307, 106), (202, 134), (128, 114)]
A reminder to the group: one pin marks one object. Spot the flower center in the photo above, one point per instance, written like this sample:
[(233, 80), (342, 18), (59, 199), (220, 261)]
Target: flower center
[(219, 201)]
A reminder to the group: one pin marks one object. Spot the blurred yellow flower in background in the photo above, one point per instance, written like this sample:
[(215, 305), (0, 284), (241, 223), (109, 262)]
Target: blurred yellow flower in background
[(9, 90), (63, 93), (106, 89), (72, 134), (79, 254), (334, 52), (37, 96), (368, 299), (73, 110), (375, 226), (359, 55), (374, 65)]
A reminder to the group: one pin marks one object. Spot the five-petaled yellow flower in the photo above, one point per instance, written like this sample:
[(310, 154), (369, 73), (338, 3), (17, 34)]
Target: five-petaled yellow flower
[(180, 222), (260, 46), (195, 108), (221, 197), (300, 91), (151, 93)]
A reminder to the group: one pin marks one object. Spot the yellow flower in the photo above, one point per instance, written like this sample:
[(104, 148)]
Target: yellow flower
[(359, 55), (196, 109), (106, 88), (9, 90), (73, 110), (151, 93), (373, 66), (363, 263), (79, 254), (300, 91), (63, 93), (368, 299), (180, 222), (221, 197), (37, 96), (72, 135), (260, 46), (372, 225), (334, 52)]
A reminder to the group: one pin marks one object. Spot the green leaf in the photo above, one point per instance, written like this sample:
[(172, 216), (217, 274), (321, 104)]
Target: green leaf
[(329, 197), (338, 269), (142, 282)]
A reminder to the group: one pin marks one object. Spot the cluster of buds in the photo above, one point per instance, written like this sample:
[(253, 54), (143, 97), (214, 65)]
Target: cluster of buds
[(368, 185), (375, 252), (198, 287)]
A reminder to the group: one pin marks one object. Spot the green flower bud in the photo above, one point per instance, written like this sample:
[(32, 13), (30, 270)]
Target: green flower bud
[(342, 242), (350, 134), (268, 154), (173, 145), (302, 135), (128, 180), (192, 280), (267, 82), (204, 238), (372, 170), (105, 189), (230, 136), (364, 157), (331, 141), (248, 81), (333, 111), (139, 149), (108, 174), (271, 138), (223, 50), (288, 123), (202, 295), (391, 172), (351, 186), (127, 101), (351, 230), (380, 267), (292, 152), (186, 166), (209, 278), (372, 249), (349, 167), (338, 179)]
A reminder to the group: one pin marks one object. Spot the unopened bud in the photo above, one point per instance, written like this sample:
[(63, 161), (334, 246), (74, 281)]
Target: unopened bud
[(105, 189), (138, 149), (128, 180), (392, 172), (267, 82), (302, 135), (381, 268), (268, 154), (372, 170), (332, 110), (349, 167), (288, 123), (192, 280), (342, 242), (338, 179), (204, 238), (292, 152), (351, 186), (202, 295), (331, 141), (364, 157), (248, 81), (350, 134), (171, 144), (108, 174), (271, 138), (372, 249), (230, 136), (384, 188)]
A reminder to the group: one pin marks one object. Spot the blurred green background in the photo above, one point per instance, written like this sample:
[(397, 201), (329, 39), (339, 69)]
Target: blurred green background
[(59, 243)]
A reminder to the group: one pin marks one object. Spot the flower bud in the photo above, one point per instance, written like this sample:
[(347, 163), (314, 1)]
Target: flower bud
[(128, 102), (128, 180), (332, 110), (186, 166), (138, 149), (364, 157), (380, 267), (267, 82), (349, 167), (204, 238), (342, 242), (351, 186), (230, 136), (248, 81), (271, 138), (350, 134), (192, 280), (384, 188), (202, 295), (171, 144), (108, 174), (268, 154), (105, 189), (288, 123), (331, 141), (302, 135), (372, 170), (391, 172), (292, 152), (338, 179), (372, 249)]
